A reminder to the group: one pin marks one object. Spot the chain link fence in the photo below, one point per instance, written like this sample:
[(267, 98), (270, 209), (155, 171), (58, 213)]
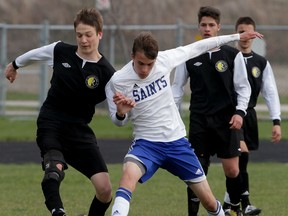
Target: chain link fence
[(26, 94)]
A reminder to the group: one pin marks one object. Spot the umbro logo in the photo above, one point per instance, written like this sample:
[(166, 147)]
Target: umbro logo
[(197, 64), (195, 199), (66, 65)]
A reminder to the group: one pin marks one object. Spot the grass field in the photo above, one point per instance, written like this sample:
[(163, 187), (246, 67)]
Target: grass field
[(163, 195)]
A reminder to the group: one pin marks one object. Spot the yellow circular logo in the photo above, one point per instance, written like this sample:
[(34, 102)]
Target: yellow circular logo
[(256, 72), (92, 81), (221, 66)]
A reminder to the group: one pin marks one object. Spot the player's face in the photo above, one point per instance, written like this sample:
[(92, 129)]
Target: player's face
[(245, 46), (142, 65), (208, 27), (87, 40)]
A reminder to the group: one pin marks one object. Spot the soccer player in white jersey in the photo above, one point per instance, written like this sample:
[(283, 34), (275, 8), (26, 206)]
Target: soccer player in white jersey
[(142, 93)]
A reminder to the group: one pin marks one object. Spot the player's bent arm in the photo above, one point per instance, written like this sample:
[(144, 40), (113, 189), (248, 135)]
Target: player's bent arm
[(180, 80), (116, 119), (270, 94), (241, 84), (41, 54)]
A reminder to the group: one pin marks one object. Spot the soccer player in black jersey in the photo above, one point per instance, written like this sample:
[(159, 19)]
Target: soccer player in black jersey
[(261, 79), (219, 99), (80, 73)]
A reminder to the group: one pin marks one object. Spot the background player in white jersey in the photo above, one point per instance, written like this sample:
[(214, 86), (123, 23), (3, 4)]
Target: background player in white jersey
[(220, 93), (142, 92), (80, 74), (261, 79)]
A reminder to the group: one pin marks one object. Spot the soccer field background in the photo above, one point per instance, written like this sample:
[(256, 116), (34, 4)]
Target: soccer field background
[(163, 195)]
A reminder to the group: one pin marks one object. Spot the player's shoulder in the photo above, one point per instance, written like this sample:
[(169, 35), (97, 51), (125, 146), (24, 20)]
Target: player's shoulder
[(229, 49), (255, 58), (260, 57), (62, 45)]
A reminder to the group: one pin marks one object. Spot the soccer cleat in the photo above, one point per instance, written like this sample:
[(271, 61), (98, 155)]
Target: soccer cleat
[(235, 213), (58, 212), (251, 210)]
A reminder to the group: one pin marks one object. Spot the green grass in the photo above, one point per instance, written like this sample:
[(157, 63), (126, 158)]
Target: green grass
[(164, 194)]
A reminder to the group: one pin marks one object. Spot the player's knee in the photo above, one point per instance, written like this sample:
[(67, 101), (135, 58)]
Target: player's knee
[(54, 165), (53, 173), (103, 188), (233, 172), (104, 195)]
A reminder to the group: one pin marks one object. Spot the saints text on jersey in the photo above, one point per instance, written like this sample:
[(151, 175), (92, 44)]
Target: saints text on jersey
[(141, 93)]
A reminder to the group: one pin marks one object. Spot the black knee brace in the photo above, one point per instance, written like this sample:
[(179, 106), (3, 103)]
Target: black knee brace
[(50, 161)]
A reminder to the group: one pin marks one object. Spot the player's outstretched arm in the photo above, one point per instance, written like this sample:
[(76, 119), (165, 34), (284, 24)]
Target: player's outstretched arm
[(250, 35)]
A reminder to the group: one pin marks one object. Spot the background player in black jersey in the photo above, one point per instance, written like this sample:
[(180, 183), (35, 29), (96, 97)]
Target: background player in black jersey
[(80, 74), (261, 79), (219, 99)]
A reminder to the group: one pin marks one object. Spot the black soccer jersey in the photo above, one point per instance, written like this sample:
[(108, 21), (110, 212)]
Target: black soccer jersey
[(76, 86), (211, 80)]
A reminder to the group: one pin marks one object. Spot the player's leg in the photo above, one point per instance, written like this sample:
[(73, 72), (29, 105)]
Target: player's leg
[(132, 171), (233, 183), (103, 197), (182, 162), (87, 159), (207, 199), (198, 138), (53, 165), (192, 199), (247, 207), (251, 137), (136, 168)]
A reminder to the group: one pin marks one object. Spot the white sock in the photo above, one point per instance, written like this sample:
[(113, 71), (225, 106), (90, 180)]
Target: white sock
[(227, 198), (120, 207), (218, 212)]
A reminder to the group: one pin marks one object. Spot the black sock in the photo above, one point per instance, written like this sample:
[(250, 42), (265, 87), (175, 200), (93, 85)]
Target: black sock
[(51, 193), (98, 208), (193, 203), (243, 162), (233, 186)]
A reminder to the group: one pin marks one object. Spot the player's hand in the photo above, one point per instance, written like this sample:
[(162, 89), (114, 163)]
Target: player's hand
[(10, 72), (123, 103), (236, 122), (250, 35), (276, 134)]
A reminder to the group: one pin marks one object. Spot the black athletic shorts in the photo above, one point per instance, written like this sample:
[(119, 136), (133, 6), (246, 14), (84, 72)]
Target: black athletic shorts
[(211, 134), (76, 141), (250, 129)]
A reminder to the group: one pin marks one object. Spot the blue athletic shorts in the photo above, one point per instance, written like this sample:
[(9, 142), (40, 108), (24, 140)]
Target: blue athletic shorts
[(177, 157)]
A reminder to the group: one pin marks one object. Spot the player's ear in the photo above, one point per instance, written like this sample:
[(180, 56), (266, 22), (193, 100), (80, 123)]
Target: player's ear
[(100, 35)]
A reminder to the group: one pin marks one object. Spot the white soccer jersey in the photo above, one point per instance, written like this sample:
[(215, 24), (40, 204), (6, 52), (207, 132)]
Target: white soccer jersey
[(155, 116)]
